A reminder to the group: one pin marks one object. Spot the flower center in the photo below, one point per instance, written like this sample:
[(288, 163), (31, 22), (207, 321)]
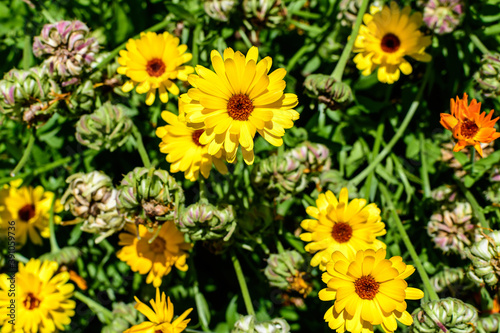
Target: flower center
[(469, 129), (239, 107), (390, 43), (155, 67), (196, 137), (342, 232), (158, 246), (366, 287), (31, 302), (27, 212)]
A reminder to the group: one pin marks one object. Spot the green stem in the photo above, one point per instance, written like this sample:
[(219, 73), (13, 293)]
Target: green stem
[(409, 245), (19, 257), (299, 55), (54, 247), (423, 171), (26, 154), (477, 42), (472, 159), (478, 210), (27, 55), (196, 42), (203, 188), (37, 171), (339, 68), (243, 284), (375, 150), (141, 148), (387, 149), (96, 307)]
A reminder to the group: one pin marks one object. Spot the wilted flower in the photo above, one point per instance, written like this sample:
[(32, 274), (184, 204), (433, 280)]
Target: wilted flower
[(283, 271), (335, 95), (219, 10), (124, 315), (488, 76), (249, 324), (268, 13), (443, 16), (67, 47), (485, 257), (106, 128), (444, 194)]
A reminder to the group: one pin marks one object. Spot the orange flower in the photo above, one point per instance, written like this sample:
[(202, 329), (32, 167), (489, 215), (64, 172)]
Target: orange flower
[(469, 126)]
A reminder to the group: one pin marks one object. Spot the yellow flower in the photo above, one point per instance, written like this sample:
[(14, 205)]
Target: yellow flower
[(42, 299), (342, 226), (183, 148), (469, 126), (368, 290), (29, 207), (160, 317), (386, 38), (237, 100), (152, 62), (158, 257)]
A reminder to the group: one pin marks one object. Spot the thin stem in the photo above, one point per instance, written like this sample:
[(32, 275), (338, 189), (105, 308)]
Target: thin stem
[(472, 159), (375, 150), (26, 154), (387, 149), (37, 171), (19, 257), (243, 284), (409, 245), (477, 42), (54, 247), (475, 205), (424, 173), (196, 43), (339, 68), (299, 55), (203, 188), (141, 148), (94, 306)]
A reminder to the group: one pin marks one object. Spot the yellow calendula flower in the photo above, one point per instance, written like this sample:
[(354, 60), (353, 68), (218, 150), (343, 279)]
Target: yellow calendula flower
[(368, 290), (184, 151), (340, 225), (386, 38), (469, 126), (237, 100), (160, 316), (29, 208), (152, 62), (42, 299), (157, 257)]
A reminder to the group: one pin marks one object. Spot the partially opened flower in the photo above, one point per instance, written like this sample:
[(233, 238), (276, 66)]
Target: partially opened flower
[(237, 100), (368, 290), (152, 62), (469, 126), (160, 316), (387, 37)]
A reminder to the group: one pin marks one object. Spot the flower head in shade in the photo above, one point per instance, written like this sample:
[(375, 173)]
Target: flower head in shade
[(160, 316), (29, 207), (443, 16), (183, 148), (42, 298), (368, 290), (469, 126), (387, 37), (153, 256), (152, 62), (237, 100), (339, 225)]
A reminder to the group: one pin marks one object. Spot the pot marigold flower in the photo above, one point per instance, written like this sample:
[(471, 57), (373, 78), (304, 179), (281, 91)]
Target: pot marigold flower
[(155, 257), (160, 317), (152, 62), (386, 38), (469, 126), (237, 101), (368, 290), (340, 225), (42, 298)]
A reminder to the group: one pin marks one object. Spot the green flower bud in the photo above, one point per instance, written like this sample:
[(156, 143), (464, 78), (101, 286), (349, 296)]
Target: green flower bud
[(268, 13), (204, 221), (249, 324), (283, 271), (489, 324), (124, 316), (485, 257), (219, 10), (106, 128), (80, 101), (149, 197), (488, 76), (453, 280), (65, 256), (446, 315), (334, 181), (335, 95)]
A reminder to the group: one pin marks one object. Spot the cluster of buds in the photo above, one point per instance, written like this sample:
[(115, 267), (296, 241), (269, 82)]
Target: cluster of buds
[(453, 231), (264, 13), (444, 195), (445, 315), (443, 16), (335, 95), (26, 95), (124, 316), (452, 280), (314, 156), (492, 193), (219, 10), (67, 48), (80, 100), (485, 257), (204, 221), (249, 324), (488, 76), (92, 198), (106, 128), (149, 197), (489, 324)]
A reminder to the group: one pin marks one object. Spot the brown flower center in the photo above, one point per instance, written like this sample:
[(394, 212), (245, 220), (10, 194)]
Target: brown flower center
[(239, 107), (469, 129), (342, 232), (155, 67), (366, 287), (158, 246), (390, 43), (27, 212), (31, 302), (196, 137)]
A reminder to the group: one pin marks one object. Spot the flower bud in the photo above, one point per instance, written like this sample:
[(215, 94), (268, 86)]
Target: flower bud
[(489, 324), (485, 257), (443, 16), (335, 95), (219, 10), (334, 181), (107, 128), (124, 316), (283, 271), (453, 280), (249, 324), (269, 13), (315, 156), (488, 76), (80, 101)]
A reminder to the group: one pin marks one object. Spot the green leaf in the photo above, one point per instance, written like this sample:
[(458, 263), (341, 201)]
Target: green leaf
[(202, 309)]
